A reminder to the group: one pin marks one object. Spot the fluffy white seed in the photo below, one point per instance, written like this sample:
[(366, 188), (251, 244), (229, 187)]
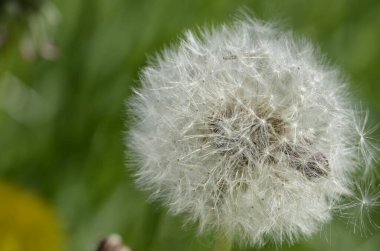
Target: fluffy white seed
[(247, 131), (360, 207)]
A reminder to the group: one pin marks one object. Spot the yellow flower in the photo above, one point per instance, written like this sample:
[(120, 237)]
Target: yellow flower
[(27, 222)]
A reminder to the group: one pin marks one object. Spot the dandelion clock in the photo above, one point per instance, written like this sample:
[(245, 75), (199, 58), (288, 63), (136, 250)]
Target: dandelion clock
[(245, 130)]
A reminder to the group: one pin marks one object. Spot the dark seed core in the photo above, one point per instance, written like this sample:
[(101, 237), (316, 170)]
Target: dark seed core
[(243, 134), (311, 165)]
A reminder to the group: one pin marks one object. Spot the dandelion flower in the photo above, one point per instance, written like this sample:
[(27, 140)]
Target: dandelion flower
[(247, 131), (27, 222)]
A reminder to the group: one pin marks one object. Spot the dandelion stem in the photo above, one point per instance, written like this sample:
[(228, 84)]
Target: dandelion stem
[(222, 243)]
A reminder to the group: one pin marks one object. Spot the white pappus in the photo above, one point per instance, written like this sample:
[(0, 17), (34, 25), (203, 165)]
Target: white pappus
[(247, 131)]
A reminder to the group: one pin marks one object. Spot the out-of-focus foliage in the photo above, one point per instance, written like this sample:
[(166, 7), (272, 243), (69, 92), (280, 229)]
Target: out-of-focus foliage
[(11, 8), (62, 116)]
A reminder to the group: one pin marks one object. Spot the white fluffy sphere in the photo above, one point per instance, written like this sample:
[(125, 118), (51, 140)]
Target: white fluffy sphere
[(247, 131)]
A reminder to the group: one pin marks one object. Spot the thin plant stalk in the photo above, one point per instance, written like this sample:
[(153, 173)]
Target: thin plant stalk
[(222, 243)]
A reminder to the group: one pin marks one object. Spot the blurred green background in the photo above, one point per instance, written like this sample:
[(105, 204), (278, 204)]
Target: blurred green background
[(68, 66)]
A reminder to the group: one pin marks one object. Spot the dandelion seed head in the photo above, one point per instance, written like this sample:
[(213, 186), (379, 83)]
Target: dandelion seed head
[(246, 130), (360, 207)]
